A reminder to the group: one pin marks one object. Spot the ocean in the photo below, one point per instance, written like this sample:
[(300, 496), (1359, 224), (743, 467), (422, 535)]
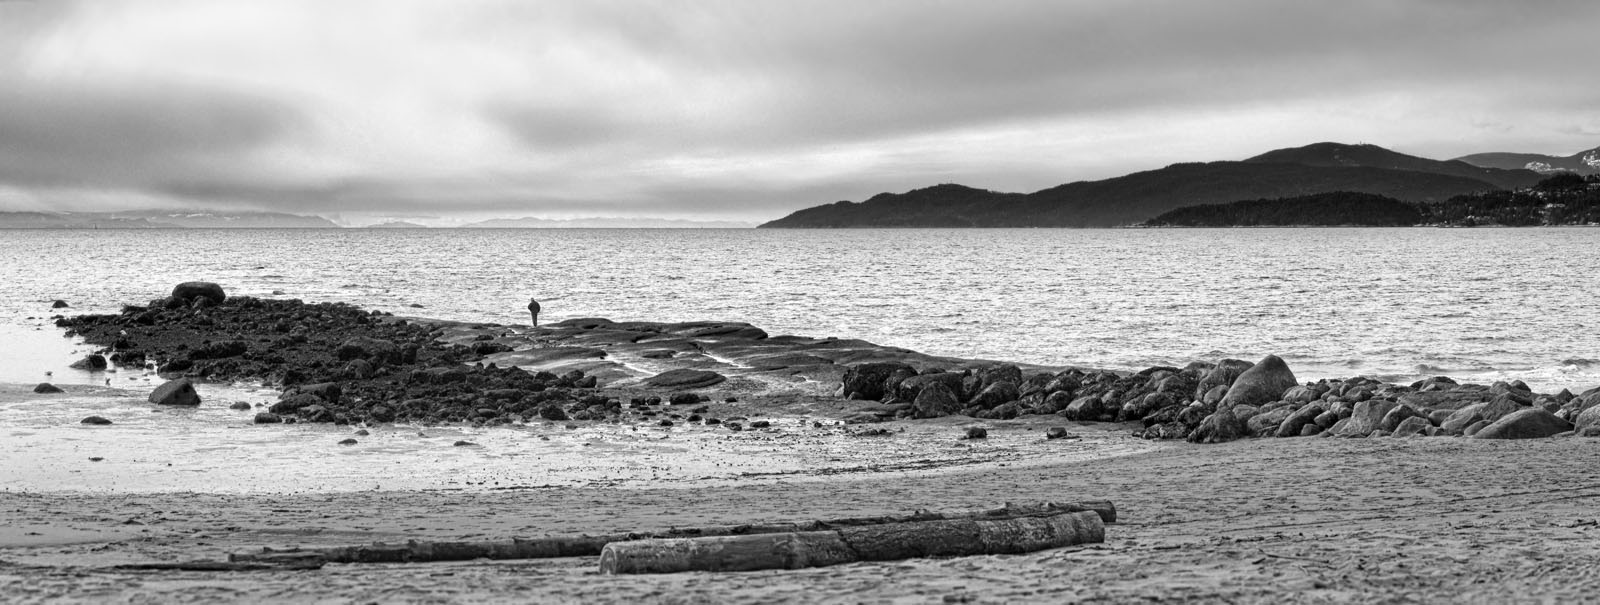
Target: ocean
[(1481, 305), (1396, 304)]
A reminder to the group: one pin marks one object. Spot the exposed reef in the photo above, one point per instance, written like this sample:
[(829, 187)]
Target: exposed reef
[(338, 363)]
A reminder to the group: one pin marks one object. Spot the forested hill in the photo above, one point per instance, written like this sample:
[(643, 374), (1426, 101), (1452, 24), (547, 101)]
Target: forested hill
[(1137, 197), (1339, 208), (1563, 199)]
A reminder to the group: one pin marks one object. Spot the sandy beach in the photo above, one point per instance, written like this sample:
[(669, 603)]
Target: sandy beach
[(1381, 519), (1286, 520)]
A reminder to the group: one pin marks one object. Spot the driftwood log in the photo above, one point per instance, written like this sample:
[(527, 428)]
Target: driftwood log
[(588, 546), (889, 542)]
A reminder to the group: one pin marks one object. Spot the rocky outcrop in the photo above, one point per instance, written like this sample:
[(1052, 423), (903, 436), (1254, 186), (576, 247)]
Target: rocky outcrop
[(685, 379)]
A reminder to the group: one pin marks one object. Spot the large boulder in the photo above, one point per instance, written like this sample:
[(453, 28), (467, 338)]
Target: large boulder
[(1526, 423), (1587, 418), (912, 387), (1220, 427), (865, 381), (1365, 418), (1005, 372), (1139, 407), (1397, 415), (190, 290), (1222, 375), (1296, 422), (1414, 425), (1266, 424), (936, 399), (1459, 420), (1263, 383), (1501, 406), (1088, 408), (997, 393), (175, 392)]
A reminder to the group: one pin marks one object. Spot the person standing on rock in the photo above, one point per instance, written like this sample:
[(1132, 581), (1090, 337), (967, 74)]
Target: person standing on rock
[(533, 308)]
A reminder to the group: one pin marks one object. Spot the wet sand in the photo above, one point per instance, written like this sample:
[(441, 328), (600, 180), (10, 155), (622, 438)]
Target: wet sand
[(1276, 520)]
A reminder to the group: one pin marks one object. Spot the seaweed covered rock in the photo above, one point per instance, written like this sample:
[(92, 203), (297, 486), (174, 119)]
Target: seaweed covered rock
[(336, 362), (188, 291)]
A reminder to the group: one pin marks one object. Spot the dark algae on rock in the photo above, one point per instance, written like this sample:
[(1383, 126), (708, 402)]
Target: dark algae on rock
[(334, 362)]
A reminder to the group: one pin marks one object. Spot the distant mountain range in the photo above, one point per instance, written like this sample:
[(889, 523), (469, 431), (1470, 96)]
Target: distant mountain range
[(1583, 162), (603, 223), (156, 219), (1134, 198), (275, 220)]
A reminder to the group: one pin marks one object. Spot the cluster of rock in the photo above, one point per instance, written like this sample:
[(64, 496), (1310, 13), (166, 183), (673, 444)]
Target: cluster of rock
[(337, 363), (1227, 400)]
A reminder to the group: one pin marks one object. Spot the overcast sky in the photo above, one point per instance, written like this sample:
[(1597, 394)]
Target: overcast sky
[(742, 109)]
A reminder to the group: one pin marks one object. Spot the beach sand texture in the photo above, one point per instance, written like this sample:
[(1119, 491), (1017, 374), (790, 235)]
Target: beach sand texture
[(1283, 520)]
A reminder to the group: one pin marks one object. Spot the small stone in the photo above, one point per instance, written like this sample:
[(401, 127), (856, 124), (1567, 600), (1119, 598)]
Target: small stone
[(464, 443), (92, 362), (1058, 432), (348, 442), (713, 421), (239, 405), (268, 418), (734, 426), (552, 412), (45, 387), (362, 433), (94, 420), (665, 422), (977, 432), (59, 304), (760, 424)]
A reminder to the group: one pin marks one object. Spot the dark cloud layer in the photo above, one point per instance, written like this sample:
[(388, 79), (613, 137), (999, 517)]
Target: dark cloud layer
[(746, 109)]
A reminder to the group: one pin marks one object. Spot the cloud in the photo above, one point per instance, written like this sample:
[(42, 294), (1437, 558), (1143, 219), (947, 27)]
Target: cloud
[(135, 134), (742, 109)]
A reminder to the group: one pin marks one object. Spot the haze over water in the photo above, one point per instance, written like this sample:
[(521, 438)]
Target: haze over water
[(1393, 303)]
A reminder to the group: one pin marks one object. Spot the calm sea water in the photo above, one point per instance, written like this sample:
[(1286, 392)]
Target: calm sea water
[(1393, 303), (1479, 304)]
